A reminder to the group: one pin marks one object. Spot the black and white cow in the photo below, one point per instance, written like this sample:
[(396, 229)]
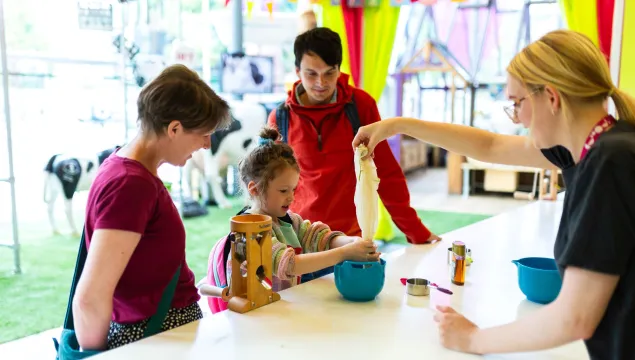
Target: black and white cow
[(66, 175), (228, 147), (242, 75)]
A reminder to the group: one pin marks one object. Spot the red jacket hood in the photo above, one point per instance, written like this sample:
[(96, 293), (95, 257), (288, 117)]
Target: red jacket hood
[(344, 95)]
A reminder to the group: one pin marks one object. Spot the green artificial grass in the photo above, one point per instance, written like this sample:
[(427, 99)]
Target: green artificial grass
[(36, 300)]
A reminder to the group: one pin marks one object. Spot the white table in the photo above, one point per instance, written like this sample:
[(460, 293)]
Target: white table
[(313, 322)]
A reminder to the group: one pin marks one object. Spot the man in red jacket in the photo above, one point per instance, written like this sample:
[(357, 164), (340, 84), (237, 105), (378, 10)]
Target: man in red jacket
[(321, 133)]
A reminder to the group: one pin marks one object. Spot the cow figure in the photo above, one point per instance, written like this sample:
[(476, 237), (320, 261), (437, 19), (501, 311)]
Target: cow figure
[(229, 146), (67, 175), (242, 75)]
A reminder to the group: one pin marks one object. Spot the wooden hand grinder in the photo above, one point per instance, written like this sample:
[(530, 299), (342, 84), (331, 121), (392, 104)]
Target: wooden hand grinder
[(250, 239)]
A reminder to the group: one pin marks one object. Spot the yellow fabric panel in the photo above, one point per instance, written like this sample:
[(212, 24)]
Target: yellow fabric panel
[(380, 26), (385, 229), (333, 19), (581, 15), (627, 67)]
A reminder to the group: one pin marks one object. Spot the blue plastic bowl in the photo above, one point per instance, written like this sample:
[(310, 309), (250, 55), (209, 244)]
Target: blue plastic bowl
[(539, 279), (360, 281)]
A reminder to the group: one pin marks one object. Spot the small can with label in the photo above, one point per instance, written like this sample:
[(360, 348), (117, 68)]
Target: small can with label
[(458, 263)]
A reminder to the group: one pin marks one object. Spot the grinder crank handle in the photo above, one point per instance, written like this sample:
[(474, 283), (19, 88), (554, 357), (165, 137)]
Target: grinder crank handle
[(215, 291)]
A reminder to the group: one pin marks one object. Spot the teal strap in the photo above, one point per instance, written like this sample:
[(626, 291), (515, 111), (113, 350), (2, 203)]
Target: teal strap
[(156, 321), (79, 267)]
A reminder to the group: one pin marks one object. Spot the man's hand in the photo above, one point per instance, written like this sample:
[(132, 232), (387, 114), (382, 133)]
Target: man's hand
[(455, 331), (433, 238)]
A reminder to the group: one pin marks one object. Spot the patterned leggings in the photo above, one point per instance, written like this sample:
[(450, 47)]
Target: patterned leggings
[(122, 334)]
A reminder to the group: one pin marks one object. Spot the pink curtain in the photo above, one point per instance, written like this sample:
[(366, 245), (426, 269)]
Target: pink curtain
[(491, 31), (353, 22), (458, 41), (443, 13)]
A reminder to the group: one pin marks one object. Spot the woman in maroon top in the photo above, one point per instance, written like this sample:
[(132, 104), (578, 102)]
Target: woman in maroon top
[(134, 233)]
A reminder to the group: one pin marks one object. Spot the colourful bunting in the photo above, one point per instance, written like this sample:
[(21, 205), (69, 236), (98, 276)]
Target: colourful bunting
[(250, 8), (270, 8), (398, 3)]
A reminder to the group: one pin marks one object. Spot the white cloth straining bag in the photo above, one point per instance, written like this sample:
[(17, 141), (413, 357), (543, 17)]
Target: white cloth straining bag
[(366, 197)]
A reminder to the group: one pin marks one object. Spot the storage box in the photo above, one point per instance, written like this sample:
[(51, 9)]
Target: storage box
[(413, 154), (500, 181)]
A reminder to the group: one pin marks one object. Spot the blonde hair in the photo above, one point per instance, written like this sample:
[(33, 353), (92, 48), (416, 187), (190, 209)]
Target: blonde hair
[(569, 62)]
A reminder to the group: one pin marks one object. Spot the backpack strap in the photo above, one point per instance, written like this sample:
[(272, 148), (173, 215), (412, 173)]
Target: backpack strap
[(156, 321), (353, 117), (282, 121)]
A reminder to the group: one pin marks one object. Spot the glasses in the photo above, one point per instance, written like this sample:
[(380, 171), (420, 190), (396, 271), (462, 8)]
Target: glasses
[(512, 110)]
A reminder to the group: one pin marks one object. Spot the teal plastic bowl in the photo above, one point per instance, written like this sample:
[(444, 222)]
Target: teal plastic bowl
[(539, 279), (360, 281)]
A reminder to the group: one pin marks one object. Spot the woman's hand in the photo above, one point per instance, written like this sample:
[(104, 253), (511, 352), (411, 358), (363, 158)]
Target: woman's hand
[(455, 331), (373, 134), (361, 250)]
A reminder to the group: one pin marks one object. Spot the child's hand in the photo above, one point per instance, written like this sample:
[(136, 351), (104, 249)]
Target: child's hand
[(342, 240), (361, 250)]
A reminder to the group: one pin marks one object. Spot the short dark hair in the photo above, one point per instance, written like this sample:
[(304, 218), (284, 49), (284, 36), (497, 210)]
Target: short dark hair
[(178, 93), (320, 41)]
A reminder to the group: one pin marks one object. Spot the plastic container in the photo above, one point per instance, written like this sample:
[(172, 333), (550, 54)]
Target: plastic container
[(539, 279), (360, 281)]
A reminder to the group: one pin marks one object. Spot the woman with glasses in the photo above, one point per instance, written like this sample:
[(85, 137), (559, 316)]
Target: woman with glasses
[(559, 86)]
